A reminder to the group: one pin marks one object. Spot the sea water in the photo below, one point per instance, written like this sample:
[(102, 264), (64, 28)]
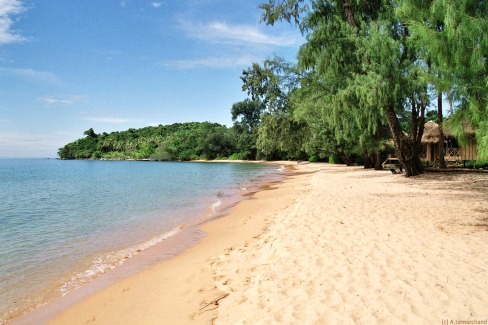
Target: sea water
[(63, 223)]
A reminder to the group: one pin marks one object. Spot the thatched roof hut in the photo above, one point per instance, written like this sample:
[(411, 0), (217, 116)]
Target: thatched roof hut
[(431, 133), (454, 149)]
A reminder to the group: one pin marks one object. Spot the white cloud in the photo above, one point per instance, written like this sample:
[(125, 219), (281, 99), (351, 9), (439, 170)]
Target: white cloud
[(156, 4), (62, 101), (221, 32), (211, 62), (32, 75), (9, 8), (112, 120)]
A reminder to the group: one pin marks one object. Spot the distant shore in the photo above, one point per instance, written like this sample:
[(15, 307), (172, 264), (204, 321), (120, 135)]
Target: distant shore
[(194, 160), (330, 244)]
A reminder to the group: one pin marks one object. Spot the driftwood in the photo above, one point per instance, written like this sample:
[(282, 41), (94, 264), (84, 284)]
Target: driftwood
[(214, 302)]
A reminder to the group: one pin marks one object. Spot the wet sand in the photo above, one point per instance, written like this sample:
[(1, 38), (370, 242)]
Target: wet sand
[(329, 245)]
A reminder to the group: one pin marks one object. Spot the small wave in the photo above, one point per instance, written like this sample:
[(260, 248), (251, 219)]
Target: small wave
[(214, 206), (282, 168), (104, 263)]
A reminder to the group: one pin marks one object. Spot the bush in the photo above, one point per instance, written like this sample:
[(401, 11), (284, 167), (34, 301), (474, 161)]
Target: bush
[(313, 158), (477, 164)]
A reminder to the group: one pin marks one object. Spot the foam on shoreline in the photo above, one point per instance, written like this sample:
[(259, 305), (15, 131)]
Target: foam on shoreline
[(106, 262), (97, 266)]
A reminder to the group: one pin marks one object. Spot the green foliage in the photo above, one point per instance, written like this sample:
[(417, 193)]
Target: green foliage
[(279, 134), (90, 133), (477, 164), (246, 116), (313, 158), (370, 64), (185, 141), (431, 116), (235, 156), (281, 137), (271, 83), (288, 10), (452, 42), (247, 113)]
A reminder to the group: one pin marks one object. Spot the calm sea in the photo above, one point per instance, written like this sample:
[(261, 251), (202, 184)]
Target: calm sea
[(63, 223)]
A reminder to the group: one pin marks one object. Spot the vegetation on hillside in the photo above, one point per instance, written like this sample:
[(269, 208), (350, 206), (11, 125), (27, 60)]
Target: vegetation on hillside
[(184, 141)]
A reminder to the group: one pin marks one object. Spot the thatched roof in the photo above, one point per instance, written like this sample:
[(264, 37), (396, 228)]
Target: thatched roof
[(431, 132), (467, 128)]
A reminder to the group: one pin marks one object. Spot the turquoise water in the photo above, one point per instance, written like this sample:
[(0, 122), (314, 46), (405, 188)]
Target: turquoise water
[(63, 223)]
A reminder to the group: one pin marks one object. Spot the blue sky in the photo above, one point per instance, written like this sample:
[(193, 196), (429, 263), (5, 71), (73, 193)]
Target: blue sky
[(67, 66)]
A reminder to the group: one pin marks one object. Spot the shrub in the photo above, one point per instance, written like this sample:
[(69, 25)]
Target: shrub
[(235, 156), (313, 158), (477, 164)]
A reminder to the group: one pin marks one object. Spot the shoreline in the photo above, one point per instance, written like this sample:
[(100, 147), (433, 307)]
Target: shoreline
[(187, 236), (181, 304), (330, 244)]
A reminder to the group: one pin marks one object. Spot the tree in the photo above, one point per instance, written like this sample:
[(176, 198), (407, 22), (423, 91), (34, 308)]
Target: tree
[(90, 133), (280, 134), (272, 83), (360, 52), (246, 116), (331, 101), (247, 113), (452, 35)]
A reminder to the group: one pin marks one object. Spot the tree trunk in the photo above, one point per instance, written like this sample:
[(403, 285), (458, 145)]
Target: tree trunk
[(421, 125), (345, 158), (377, 157), (349, 15), (415, 120), (442, 161), (377, 165), (368, 162), (406, 149)]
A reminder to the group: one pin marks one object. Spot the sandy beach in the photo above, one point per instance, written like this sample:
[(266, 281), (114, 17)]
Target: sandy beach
[(329, 245)]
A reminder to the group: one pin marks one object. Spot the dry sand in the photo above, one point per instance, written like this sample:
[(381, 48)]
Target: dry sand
[(330, 245)]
